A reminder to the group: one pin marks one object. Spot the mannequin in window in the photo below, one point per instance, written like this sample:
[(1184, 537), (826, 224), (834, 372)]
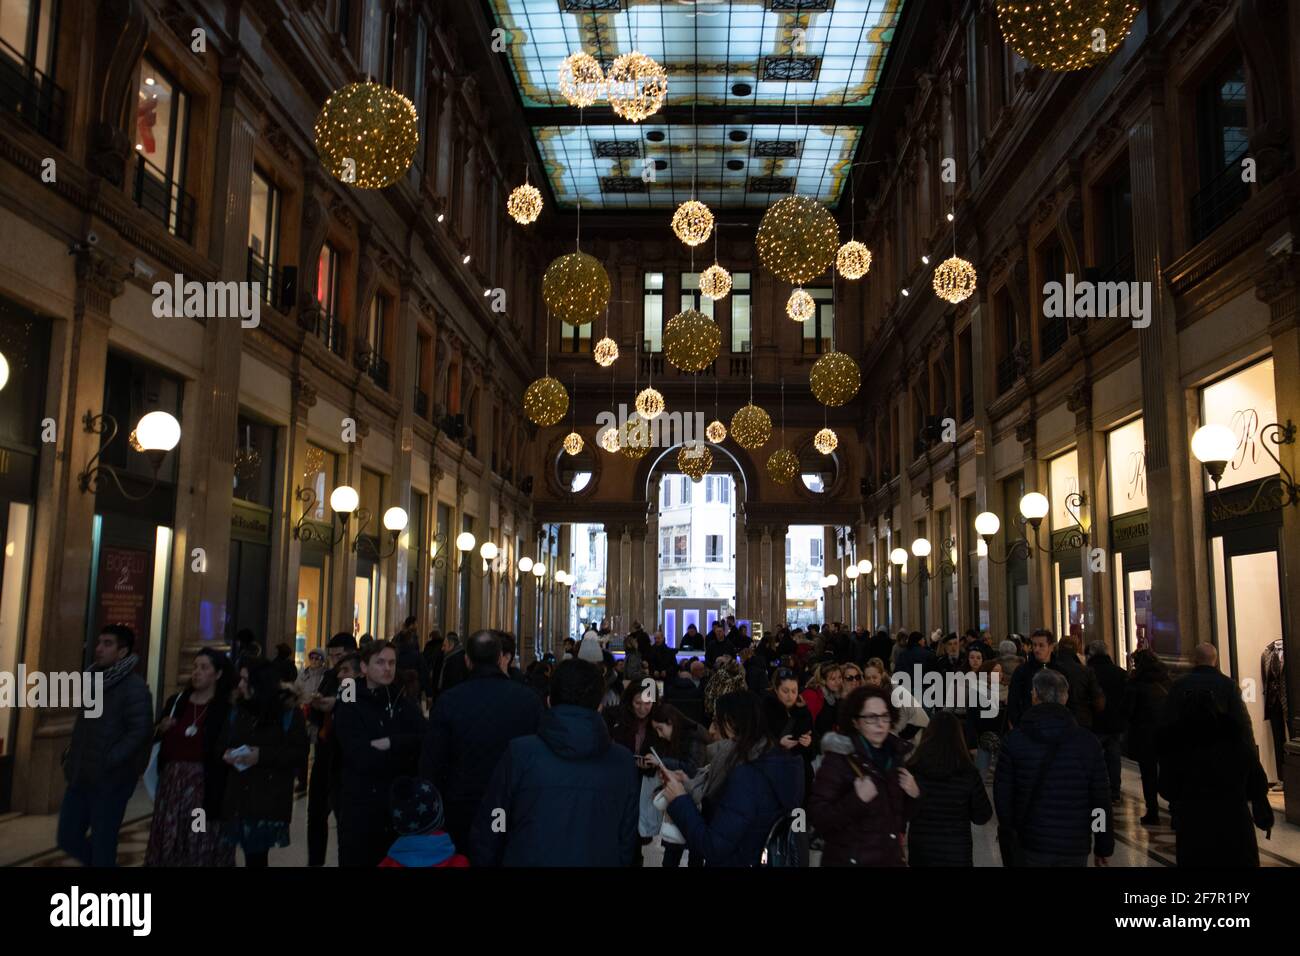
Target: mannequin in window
[(1272, 666)]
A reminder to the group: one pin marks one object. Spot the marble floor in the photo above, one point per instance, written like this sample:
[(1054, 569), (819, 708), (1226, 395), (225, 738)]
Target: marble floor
[(30, 840)]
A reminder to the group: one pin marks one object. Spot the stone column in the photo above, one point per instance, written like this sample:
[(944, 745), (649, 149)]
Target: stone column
[(754, 570), (61, 560), (744, 601), (636, 581), (1098, 619), (777, 616), (1040, 562), (404, 357), (1174, 611), (613, 569)]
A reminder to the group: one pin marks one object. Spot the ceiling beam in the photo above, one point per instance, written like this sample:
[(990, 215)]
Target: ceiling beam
[(704, 116)]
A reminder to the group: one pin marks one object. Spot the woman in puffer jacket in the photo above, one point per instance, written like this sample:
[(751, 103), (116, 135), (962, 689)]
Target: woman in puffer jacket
[(863, 796), (952, 797)]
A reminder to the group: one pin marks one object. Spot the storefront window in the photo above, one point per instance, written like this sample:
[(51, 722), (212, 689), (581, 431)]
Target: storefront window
[(1126, 459), (1245, 403), (320, 474)]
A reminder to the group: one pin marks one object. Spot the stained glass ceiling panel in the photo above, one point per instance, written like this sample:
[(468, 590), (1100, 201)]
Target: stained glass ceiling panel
[(747, 65)]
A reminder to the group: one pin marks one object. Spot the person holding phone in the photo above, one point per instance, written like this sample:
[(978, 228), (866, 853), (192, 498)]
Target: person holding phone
[(751, 784), (789, 719)]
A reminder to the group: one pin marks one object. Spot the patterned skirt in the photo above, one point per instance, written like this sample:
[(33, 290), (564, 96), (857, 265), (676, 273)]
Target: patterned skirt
[(172, 837)]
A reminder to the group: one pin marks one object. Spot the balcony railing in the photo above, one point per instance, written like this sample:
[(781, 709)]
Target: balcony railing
[(30, 95), (421, 402), (1218, 200), (267, 277), (378, 370), (1052, 336), (164, 199), (331, 332), (739, 366), (1121, 270), (1006, 374)]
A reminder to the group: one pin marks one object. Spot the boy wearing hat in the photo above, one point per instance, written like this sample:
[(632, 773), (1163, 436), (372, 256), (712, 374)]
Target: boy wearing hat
[(417, 817)]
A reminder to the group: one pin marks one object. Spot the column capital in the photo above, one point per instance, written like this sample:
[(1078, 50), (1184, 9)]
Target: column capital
[(1278, 285)]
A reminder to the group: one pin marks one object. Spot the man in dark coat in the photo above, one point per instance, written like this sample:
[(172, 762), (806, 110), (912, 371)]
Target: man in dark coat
[(1110, 724), (1051, 786), (880, 645), (662, 659), (1020, 692), (379, 733), (567, 795), (1086, 698), (455, 667), (717, 645), (1206, 676), (691, 640), (470, 728), (916, 655), (949, 659), (108, 751)]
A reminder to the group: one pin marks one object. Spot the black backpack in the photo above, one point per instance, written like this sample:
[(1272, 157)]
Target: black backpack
[(785, 846)]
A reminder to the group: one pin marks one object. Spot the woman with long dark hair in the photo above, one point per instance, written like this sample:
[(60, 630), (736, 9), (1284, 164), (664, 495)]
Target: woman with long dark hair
[(751, 784), (1144, 699), (265, 745), (952, 797), (681, 744), (789, 719), (191, 773), (863, 795)]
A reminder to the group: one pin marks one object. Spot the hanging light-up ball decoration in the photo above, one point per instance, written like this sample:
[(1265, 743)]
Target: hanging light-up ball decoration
[(546, 401), (605, 352), (582, 81), (608, 439), (782, 466), (853, 261), (826, 441), (954, 280), (797, 239), (524, 204), (695, 459), (691, 341), (635, 438), (650, 403), (573, 443), (715, 282), (366, 134), (692, 222), (1065, 36), (637, 86), (800, 306), (835, 378), (716, 432), (575, 287), (751, 427)]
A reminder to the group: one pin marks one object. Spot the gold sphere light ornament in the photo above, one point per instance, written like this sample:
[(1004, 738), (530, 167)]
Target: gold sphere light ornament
[(691, 341), (573, 443), (366, 135), (575, 287), (782, 466), (800, 306), (1065, 35), (853, 261), (605, 352), (797, 239), (582, 81), (693, 222), (694, 459), (546, 401), (716, 432), (608, 439), (650, 403), (524, 204), (826, 441), (751, 427), (715, 282), (835, 378), (954, 280), (637, 86), (635, 438)]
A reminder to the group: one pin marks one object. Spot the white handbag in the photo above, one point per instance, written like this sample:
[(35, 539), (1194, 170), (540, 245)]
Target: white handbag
[(151, 771)]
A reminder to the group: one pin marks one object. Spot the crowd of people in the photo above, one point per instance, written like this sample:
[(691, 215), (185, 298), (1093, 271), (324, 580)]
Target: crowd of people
[(724, 751)]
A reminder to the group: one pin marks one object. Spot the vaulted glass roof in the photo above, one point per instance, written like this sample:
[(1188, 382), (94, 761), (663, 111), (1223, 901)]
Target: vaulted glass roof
[(776, 91)]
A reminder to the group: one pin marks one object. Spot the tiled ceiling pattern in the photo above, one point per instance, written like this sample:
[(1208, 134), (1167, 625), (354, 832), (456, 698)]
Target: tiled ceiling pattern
[(746, 67)]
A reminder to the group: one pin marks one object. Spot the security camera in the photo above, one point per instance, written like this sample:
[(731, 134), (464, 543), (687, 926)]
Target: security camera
[(143, 270), (92, 238)]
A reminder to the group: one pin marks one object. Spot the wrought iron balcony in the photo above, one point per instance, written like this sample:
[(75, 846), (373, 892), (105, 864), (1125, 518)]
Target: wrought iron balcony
[(1052, 336), (378, 370), (164, 199), (1007, 371), (1218, 200), (421, 402), (267, 277), (30, 95)]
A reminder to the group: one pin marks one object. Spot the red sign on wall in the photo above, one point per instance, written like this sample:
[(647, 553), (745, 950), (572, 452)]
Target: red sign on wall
[(125, 590)]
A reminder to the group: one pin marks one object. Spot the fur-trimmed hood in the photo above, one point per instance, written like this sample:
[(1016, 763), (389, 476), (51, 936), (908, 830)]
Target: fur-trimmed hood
[(833, 743)]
